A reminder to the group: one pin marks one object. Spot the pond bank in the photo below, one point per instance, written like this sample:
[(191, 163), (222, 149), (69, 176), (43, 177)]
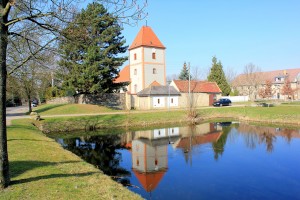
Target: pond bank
[(41, 169), (281, 115)]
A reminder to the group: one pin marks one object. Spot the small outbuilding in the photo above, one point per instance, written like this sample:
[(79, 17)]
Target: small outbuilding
[(158, 97), (198, 93)]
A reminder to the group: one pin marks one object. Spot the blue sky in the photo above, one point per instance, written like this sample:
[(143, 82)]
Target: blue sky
[(238, 32)]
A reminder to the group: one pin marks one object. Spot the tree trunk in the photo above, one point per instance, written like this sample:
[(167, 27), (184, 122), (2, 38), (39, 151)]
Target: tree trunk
[(29, 104), (4, 167)]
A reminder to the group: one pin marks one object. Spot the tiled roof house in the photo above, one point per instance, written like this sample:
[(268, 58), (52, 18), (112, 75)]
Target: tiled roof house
[(250, 84)]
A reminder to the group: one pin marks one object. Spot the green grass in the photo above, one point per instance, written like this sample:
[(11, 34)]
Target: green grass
[(65, 109), (277, 114), (41, 169)]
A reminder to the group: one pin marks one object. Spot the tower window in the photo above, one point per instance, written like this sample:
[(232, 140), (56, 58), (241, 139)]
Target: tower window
[(134, 56), (135, 71), (153, 55), (154, 71)]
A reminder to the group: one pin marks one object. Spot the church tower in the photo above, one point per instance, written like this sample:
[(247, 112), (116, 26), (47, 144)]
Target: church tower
[(147, 62)]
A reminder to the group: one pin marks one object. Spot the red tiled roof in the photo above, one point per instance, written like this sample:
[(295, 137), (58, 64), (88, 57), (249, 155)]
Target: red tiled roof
[(124, 75), (197, 86), (149, 180), (154, 83), (146, 37), (262, 77), (200, 139)]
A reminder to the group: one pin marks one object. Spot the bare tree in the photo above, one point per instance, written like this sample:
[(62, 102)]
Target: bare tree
[(250, 79), (266, 91), (287, 89), (44, 20), (230, 75)]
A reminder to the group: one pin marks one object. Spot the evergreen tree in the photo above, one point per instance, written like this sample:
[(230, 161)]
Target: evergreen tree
[(90, 52), (217, 75), (184, 74)]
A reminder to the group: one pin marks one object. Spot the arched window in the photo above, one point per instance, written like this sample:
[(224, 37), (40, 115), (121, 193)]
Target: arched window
[(154, 71), (153, 55)]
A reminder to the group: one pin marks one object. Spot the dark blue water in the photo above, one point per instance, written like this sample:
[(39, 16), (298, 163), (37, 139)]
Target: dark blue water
[(208, 161)]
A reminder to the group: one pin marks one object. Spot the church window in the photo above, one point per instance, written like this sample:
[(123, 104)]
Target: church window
[(153, 55), (134, 56), (135, 71), (154, 71)]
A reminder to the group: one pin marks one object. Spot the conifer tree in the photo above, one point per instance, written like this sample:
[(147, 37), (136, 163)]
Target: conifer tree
[(91, 51), (217, 75), (184, 74)]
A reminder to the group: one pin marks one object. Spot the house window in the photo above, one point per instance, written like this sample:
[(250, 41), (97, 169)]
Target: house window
[(154, 71), (134, 56), (135, 71), (158, 101), (153, 56), (137, 162), (171, 100)]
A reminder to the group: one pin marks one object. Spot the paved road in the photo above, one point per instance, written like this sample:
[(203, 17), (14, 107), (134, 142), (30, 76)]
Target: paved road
[(15, 113)]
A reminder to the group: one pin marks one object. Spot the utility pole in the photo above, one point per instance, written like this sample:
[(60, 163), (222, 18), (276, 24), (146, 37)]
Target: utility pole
[(189, 67)]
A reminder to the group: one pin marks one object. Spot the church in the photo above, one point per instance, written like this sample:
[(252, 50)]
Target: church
[(147, 63), (146, 73)]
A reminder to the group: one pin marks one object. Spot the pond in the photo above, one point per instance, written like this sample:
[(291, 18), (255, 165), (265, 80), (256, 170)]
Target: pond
[(208, 161)]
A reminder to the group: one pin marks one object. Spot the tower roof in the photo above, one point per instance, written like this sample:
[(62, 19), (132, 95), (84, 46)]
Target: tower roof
[(146, 37)]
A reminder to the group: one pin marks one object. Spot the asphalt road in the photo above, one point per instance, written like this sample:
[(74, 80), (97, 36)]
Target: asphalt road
[(15, 113)]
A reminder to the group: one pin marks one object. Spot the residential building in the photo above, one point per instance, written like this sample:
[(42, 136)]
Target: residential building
[(251, 84)]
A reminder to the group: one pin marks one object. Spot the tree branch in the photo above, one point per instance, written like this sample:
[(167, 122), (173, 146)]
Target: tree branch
[(30, 56), (13, 21)]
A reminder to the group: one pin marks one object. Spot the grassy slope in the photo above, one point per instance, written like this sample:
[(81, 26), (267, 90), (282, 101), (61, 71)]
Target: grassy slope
[(42, 169), (279, 114), (62, 109)]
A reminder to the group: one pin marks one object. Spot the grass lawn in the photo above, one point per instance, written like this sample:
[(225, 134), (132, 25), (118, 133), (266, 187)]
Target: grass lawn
[(41, 169), (64, 109), (283, 115)]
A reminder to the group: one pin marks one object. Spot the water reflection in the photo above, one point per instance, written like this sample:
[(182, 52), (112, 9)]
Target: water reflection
[(256, 135), (101, 151), (151, 149)]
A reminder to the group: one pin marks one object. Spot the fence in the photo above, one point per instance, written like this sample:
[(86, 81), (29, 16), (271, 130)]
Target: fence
[(237, 98)]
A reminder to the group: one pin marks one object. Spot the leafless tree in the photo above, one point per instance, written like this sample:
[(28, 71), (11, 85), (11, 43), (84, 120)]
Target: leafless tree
[(43, 20)]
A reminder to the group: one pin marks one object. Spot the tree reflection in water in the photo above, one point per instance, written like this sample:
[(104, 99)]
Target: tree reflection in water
[(101, 151), (219, 145), (268, 138)]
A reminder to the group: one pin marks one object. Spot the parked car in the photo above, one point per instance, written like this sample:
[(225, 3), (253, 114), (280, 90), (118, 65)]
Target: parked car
[(222, 102), (34, 103)]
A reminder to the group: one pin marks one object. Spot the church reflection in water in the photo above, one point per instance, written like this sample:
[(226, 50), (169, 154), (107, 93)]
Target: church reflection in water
[(140, 158), (149, 149)]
